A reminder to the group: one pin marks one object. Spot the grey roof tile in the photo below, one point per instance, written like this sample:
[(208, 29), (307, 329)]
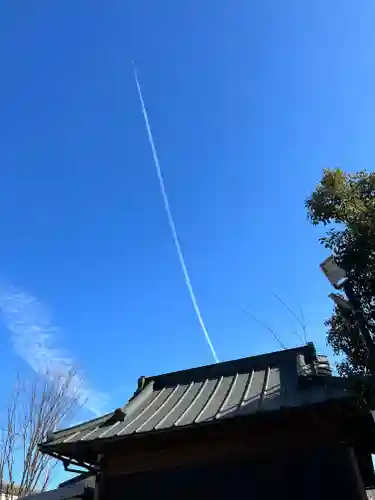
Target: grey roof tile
[(72, 489), (236, 388), (198, 405), (174, 408)]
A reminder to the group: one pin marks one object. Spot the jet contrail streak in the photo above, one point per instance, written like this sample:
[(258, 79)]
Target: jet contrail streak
[(170, 218)]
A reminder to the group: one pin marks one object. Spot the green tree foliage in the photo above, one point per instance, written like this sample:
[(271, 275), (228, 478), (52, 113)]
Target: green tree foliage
[(345, 204)]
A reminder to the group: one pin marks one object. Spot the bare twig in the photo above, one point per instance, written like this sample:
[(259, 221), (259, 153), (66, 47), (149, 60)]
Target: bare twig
[(304, 325), (265, 326), (34, 408), (301, 322)]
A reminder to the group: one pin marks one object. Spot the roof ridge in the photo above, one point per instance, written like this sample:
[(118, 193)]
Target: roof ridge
[(215, 368)]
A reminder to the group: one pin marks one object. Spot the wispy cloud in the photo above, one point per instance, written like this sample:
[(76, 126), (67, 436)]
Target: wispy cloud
[(34, 338)]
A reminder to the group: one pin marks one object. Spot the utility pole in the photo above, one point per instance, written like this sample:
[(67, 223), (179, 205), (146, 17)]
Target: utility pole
[(341, 280)]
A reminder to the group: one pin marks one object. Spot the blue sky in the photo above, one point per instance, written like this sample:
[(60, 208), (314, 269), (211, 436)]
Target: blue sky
[(248, 101)]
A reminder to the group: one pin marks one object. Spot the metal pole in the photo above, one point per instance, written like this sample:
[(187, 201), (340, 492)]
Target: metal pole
[(362, 324)]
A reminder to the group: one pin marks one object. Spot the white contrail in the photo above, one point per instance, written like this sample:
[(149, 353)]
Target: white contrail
[(170, 218)]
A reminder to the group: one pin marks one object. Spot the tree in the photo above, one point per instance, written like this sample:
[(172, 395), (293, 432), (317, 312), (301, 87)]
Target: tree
[(345, 203), (35, 407)]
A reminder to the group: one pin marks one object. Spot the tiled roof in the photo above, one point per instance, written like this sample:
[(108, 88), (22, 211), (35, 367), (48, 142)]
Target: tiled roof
[(86, 479), (72, 489), (225, 390)]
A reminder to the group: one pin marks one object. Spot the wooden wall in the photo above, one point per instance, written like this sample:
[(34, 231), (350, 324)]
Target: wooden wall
[(305, 461), (319, 474)]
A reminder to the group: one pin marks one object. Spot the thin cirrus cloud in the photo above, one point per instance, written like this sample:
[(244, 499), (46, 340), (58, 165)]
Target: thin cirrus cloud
[(34, 339)]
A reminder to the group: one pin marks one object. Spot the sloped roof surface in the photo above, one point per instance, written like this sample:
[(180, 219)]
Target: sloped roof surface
[(231, 389), (70, 491), (86, 479)]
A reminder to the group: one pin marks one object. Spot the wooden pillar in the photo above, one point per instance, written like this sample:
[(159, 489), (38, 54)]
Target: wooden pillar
[(357, 479)]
